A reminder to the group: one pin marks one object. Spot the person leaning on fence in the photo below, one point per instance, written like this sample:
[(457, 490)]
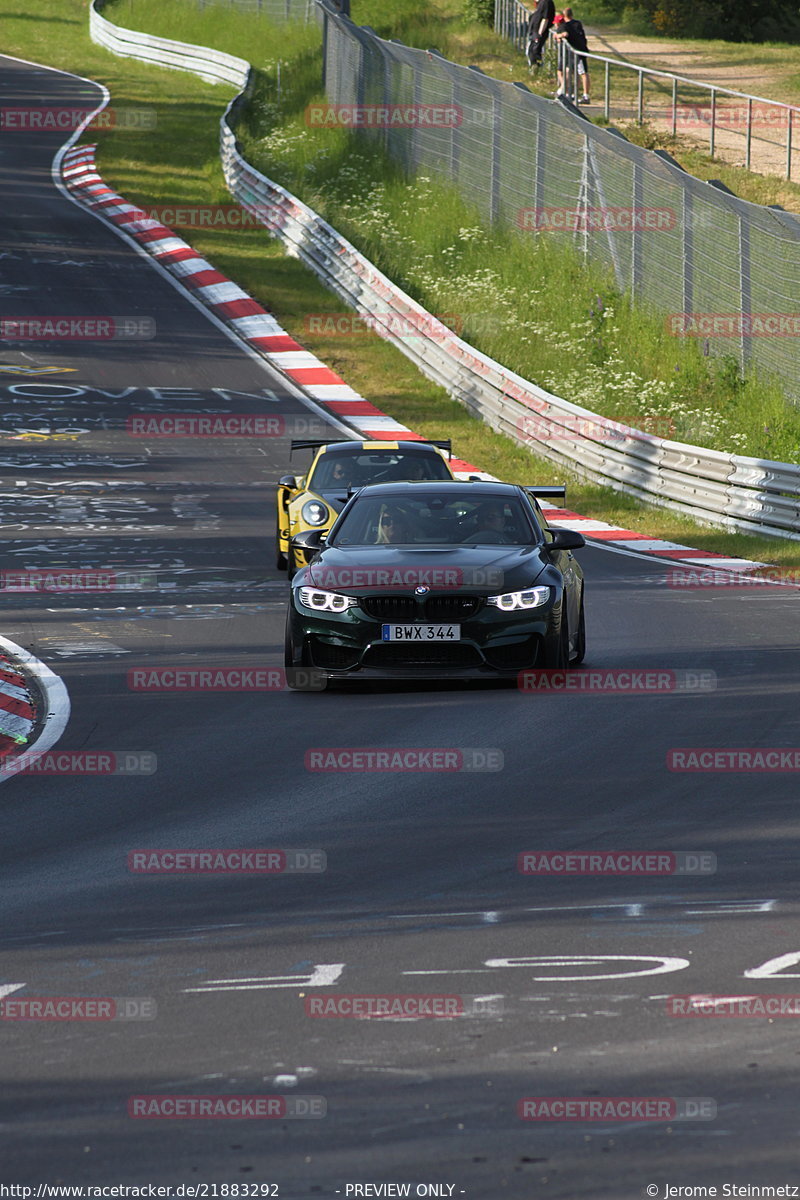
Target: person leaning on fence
[(573, 33), (538, 28), (557, 26)]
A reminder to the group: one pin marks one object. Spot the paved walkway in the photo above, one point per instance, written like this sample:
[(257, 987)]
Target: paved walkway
[(768, 145)]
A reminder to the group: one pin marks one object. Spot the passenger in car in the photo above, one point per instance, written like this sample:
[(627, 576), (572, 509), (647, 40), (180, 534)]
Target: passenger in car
[(392, 527)]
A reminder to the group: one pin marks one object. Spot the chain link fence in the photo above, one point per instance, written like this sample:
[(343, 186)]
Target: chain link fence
[(718, 268), (733, 125)]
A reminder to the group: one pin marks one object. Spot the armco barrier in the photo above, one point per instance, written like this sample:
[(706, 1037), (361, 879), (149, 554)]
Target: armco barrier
[(211, 65), (746, 494)]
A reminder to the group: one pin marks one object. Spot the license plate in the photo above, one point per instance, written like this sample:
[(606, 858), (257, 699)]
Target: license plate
[(421, 633)]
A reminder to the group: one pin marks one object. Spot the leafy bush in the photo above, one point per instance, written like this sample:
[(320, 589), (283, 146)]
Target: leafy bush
[(733, 20), (480, 10)]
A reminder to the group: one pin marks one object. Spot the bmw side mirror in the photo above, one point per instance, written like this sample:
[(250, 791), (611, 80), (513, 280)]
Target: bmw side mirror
[(310, 539), (287, 481), (566, 539)]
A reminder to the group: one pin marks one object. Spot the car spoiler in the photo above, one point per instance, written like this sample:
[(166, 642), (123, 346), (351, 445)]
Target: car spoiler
[(315, 443), (548, 493), (311, 444), (444, 444)]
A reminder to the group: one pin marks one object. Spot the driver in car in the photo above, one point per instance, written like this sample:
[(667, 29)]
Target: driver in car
[(342, 473), (491, 525)]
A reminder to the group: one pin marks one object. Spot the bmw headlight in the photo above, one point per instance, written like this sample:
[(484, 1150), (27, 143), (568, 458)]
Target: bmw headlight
[(532, 598), (325, 601), (314, 512)]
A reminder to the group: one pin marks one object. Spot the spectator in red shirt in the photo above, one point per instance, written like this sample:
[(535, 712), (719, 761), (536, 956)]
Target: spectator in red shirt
[(573, 33)]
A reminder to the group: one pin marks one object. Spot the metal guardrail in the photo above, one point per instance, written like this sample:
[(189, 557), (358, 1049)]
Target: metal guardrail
[(756, 117), (211, 65), (732, 491)]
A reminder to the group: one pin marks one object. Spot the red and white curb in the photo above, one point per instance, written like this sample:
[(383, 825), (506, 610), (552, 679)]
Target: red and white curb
[(32, 698), (233, 305), (260, 330)]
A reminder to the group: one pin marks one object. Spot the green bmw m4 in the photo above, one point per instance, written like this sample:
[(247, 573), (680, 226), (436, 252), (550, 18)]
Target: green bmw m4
[(424, 580)]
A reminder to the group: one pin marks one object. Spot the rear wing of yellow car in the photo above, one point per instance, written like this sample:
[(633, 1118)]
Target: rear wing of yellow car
[(315, 443), (311, 444), (547, 493), (444, 444)]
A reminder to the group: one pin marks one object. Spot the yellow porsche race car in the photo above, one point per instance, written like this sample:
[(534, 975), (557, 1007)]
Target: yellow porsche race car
[(314, 500)]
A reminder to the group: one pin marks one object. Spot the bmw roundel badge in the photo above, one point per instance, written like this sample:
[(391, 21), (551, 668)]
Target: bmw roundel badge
[(421, 591)]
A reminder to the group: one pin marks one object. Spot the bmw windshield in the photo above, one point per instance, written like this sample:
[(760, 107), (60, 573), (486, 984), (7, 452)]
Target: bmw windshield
[(434, 519)]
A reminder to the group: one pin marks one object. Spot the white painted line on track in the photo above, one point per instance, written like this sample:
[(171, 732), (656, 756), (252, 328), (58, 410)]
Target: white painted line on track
[(7, 988), (775, 966), (323, 975)]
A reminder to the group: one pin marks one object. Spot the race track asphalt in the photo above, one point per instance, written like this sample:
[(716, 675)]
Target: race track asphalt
[(421, 894)]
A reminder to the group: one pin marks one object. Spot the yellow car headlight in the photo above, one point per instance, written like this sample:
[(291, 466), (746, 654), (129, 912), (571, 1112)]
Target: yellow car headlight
[(314, 512)]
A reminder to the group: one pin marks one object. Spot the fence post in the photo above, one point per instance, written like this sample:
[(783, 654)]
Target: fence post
[(607, 101), (636, 235), (749, 132), (494, 162), (789, 144), (746, 292), (388, 63), (688, 251), (541, 145), (451, 73), (521, 17), (324, 48), (713, 119), (415, 136)]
